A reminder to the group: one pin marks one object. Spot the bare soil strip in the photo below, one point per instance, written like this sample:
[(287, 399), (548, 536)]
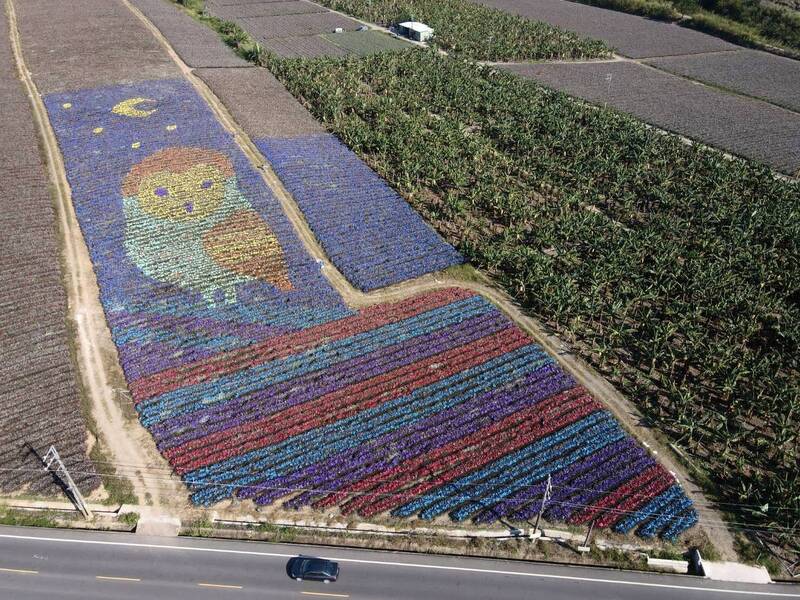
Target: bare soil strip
[(39, 392)]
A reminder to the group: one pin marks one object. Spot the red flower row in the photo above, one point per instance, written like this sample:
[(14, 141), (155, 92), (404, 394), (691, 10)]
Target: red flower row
[(340, 404), (292, 343), (490, 444)]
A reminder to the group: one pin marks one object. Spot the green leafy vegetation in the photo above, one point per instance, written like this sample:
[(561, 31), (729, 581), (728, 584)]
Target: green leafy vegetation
[(202, 527), (662, 10), (671, 269), (129, 518), (668, 553), (277, 533), (755, 554), (617, 557), (772, 23), (22, 518), (474, 31), (119, 488), (747, 22)]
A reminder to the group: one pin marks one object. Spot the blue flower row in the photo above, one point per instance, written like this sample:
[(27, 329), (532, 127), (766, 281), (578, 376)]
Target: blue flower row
[(539, 467), (452, 494), (370, 233), (316, 445), (202, 395)]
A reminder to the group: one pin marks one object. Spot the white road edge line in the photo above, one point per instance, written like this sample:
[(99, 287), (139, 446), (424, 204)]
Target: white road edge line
[(407, 565)]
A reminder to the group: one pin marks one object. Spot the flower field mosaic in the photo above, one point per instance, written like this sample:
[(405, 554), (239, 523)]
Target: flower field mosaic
[(369, 232), (257, 381)]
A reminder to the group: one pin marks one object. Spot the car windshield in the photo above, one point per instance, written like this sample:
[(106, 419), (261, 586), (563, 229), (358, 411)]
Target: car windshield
[(319, 566)]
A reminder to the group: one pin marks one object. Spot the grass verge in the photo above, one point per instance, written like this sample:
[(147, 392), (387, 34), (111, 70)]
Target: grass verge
[(118, 487), (129, 518), (744, 22), (661, 10), (21, 518), (553, 552)]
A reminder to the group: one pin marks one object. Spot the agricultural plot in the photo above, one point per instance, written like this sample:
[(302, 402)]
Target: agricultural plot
[(670, 268), (477, 32), (369, 232), (39, 402), (256, 381), (297, 28)]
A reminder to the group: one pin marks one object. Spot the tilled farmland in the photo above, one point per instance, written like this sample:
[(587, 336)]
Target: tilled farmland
[(39, 400)]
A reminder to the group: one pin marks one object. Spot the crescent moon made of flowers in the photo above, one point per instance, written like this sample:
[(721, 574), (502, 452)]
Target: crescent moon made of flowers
[(128, 108)]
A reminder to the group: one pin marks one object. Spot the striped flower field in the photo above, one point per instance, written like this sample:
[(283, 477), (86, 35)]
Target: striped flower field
[(434, 405), (257, 381)]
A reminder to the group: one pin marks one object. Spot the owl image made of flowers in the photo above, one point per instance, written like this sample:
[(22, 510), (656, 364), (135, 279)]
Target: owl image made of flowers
[(188, 224)]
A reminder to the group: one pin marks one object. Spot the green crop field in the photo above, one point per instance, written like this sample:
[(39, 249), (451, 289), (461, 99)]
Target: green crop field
[(475, 31), (670, 268), (746, 22)]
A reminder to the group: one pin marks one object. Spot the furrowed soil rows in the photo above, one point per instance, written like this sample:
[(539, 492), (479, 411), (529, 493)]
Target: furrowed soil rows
[(39, 401)]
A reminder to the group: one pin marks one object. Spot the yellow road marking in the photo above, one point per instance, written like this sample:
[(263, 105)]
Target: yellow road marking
[(117, 578), (220, 585), (324, 594), (23, 571)]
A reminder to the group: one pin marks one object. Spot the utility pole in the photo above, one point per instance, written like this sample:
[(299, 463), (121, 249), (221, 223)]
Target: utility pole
[(586, 547), (548, 491), (53, 459)]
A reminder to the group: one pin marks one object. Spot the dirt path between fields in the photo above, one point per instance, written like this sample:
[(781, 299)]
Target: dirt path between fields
[(133, 452)]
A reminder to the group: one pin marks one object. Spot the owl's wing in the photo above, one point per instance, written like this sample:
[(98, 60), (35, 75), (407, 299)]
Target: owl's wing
[(243, 243)]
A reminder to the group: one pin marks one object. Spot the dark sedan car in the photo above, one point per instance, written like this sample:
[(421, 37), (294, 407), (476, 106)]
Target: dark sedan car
[(313, 569)]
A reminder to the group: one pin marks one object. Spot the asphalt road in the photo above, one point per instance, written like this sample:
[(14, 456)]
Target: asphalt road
[(48, 564)]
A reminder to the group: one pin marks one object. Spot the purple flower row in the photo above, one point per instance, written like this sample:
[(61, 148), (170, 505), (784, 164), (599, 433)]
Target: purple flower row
[(370, 233)]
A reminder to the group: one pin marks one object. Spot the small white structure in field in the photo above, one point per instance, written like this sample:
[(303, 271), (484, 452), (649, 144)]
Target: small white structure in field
[(415, 30)]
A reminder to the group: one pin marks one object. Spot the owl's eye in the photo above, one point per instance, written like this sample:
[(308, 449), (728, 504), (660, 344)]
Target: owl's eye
[(161, 192), (206, 184)]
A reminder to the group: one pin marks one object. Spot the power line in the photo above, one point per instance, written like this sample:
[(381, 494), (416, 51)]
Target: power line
[(707, 523), (710, 504), (406, 481)]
